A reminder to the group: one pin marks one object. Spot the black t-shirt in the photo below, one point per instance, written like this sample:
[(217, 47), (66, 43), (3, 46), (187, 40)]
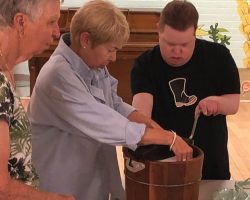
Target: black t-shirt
[(176, 91)]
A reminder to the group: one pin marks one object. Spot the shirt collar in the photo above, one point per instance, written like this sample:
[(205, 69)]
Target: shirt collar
[(75, 61)]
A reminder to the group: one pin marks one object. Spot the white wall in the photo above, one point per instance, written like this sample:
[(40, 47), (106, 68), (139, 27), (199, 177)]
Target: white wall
[(21, 72), (225, 13)]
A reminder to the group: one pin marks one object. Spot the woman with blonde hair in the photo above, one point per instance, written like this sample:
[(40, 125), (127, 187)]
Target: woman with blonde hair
[(77, 115), (27, 27)]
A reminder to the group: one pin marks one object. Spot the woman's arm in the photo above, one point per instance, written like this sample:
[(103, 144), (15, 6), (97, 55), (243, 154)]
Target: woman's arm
[(137, 116), (154, 134), (11, 189)]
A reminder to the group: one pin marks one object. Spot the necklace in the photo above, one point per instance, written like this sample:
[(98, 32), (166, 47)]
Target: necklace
[(9, 74)]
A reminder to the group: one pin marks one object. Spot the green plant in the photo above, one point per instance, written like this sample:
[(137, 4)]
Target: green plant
[(216, 35)]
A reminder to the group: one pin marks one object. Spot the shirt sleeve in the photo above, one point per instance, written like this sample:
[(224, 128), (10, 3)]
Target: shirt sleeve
[(5, 100), (229, 73), (78, 112), (119, 105), (140, 77)]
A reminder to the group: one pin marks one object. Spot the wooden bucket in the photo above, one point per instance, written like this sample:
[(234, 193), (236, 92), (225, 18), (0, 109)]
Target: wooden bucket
[(156, 180)]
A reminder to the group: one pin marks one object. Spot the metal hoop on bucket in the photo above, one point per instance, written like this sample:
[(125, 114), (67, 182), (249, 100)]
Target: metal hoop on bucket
[(168, 186)]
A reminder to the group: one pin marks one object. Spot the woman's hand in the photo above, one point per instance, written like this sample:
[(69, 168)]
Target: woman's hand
[(182, 150)]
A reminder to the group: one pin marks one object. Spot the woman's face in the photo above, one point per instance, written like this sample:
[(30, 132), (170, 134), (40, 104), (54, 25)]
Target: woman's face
[(39, 34), (101, 55)]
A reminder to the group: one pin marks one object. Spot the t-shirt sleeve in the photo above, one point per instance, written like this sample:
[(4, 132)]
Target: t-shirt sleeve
[(230, 74), (140, 77), (5, 100)]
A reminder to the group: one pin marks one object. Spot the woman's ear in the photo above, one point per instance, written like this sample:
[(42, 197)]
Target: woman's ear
[(85, 39), (19, 22)]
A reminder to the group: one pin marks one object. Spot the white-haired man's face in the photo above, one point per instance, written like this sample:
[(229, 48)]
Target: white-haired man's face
[(39, 34)]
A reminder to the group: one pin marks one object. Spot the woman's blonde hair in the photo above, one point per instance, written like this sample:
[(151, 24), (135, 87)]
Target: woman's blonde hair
[(102, 20)]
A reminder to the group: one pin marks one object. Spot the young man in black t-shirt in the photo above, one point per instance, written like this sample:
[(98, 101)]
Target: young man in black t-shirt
[(183, 77)]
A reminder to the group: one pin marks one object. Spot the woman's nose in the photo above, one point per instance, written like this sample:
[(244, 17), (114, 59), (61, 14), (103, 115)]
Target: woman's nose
[(113, 56)]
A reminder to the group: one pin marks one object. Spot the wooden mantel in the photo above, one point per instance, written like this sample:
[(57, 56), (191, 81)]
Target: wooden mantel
[(143, 35)]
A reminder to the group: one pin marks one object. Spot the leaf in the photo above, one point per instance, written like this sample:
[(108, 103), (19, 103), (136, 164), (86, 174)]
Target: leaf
[(222, 30), (201, 32)]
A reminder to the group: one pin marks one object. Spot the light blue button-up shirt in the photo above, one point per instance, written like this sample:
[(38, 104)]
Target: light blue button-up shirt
[(77, 119)]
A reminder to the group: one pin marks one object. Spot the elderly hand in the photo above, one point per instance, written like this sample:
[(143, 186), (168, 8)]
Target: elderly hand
[(208, 106), (182, 150)]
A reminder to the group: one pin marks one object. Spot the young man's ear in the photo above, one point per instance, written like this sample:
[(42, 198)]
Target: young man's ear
[(158, 27)]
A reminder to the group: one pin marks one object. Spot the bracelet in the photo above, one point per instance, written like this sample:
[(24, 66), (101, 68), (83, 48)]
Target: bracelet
[(172, 144)]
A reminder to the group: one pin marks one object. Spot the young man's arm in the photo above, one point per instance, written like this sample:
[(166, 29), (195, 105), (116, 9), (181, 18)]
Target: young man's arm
[(143, 102), (213, 105)]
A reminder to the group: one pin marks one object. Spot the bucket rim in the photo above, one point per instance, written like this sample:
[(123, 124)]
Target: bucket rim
[(198, 157)]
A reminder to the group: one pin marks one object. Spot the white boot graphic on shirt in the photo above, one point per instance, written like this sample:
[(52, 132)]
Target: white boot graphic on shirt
[(177, 87)]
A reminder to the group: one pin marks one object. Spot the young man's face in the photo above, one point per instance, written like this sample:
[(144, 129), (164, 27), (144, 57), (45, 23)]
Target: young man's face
[(176, 47)]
